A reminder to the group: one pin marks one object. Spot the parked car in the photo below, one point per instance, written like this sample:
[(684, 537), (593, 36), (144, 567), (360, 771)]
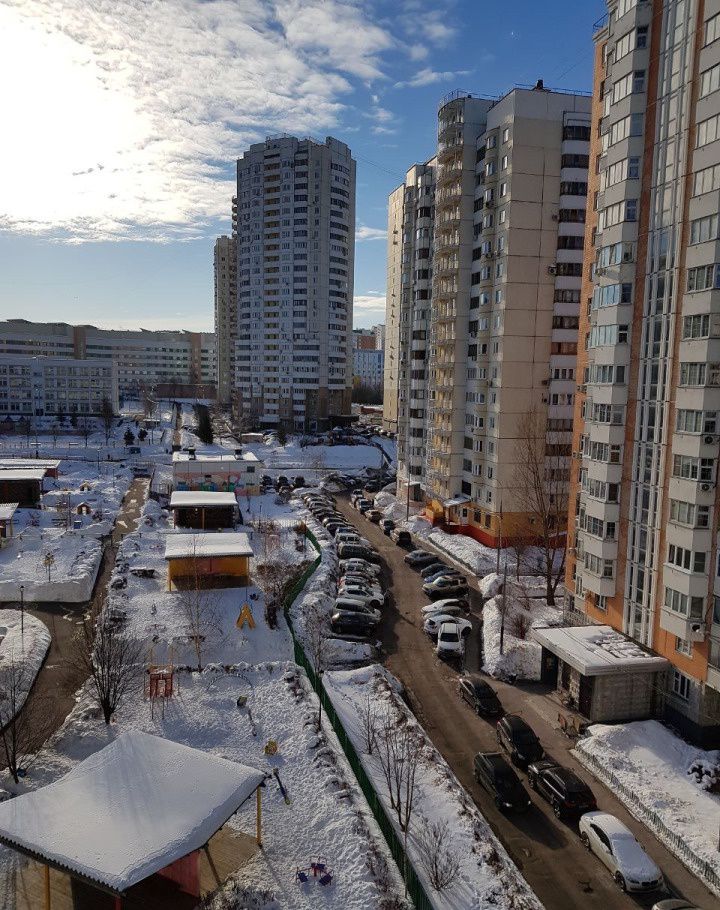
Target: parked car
[(359, 565), (346, 536), (386, 526), (447, 603), (298, 481), (562, 788), (434, 621), (363, 506), (450, 641), (443, 587), (355, 551), (433, 568), (616, 846), (334, 526), (419, 558), (362, 581), (518, 739), (452, 612), (480, 695), (349, 604), (500, 780), (674, 903), (444, 573), (282, 481), (362, 593), (401, 538), (352, 623), (374, 515)]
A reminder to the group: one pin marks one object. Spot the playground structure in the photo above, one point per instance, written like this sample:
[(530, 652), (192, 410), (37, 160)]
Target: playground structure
[(159, 683), (318, 869)]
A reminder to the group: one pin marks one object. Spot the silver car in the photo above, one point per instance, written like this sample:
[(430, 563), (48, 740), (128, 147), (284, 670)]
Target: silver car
[(616, 846)]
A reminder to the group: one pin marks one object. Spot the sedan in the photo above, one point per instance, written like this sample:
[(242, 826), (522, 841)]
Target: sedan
[(435, 620), (447, 603), (615, 845), (481, 697), (442, 587), (562, 788), (386, 526), (445, 573), (497, 776), (367, 568), (362, 593), (431, 613), (352, 623), (433, 568), (419, 558)]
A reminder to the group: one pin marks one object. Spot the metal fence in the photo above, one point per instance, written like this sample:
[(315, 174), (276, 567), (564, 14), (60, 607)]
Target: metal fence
[(415, 889), (674, 841)]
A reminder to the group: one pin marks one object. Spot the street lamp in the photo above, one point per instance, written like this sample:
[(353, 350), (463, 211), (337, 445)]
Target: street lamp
[(22, 610)]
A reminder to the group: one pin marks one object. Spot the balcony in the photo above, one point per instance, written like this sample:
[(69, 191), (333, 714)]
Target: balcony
[(689, 628)]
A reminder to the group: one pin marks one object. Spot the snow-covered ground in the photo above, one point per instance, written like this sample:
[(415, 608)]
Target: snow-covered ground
[(24, 642), (526, 608), (660, 779), (75, 550), (486, 876)]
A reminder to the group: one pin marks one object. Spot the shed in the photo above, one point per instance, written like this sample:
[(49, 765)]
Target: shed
[(610, 677), (7, 511), (22, 485), (208, 559), (51, 466), (129, 821), (204, 510)]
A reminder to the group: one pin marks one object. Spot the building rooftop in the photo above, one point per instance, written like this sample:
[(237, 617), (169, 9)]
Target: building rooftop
[(222, 457), (22, 474), (206, 544), (189, 499), (7, 510), (598, 650)]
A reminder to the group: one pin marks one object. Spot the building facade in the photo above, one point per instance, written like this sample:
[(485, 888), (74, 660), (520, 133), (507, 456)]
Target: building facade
[(295, 222), (173, 360), (51, 386), (644, 516), (488, 276), (368, 367), (364, 339), (225, 274)]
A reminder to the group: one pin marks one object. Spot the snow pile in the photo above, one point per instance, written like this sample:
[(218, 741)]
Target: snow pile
[(23, 647), (651, 771), (522, 656), (486, 876)]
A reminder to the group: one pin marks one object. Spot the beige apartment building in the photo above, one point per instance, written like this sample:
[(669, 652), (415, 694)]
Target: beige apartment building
[(225, 273), (491, 325), (643, 529)]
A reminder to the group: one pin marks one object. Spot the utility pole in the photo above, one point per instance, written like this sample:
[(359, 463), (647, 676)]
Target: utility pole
[(504, 608), (22, 612), (499, 542)]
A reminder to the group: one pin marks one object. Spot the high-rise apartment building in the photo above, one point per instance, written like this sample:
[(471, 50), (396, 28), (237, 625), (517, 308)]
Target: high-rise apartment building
[(225, 271), (644, 512), (488, 284), (294, 216)]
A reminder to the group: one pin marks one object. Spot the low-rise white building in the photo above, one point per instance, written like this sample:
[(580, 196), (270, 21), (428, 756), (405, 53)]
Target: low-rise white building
[(235, 473), (41, 386)]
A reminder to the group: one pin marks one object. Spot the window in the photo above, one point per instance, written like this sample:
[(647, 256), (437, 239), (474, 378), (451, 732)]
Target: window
[(703, 277), (706, 180), (687, 513), (677, 602), (689, 467), (681, 685), (611, 295), (504, 163), (615, 214), (712, 29), (491, 142), (702, 229), (710, 80), (682, 646), (685, 559), (696, 326), (502, 189), (506, 134), (707, 131)]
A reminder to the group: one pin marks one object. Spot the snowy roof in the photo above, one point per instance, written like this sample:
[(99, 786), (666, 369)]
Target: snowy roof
[(7, 510), (212, 543), (130, 809), (22, 474), (455, 501), (189, 498), (598, 650), (222, 457), (48, 464)]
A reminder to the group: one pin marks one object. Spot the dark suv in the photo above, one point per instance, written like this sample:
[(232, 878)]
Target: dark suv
[(479, 695), (353, 623), (496, 775), (562, 788), (518, 739)]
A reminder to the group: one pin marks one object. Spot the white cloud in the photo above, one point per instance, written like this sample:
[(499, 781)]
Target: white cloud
[(363, 232), (126, 116), (417, 52), (368, 310), (428, 76)]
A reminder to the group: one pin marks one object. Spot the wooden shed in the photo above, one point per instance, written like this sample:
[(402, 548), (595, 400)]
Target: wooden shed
[(206, 511), (208, 559), (23, 486), (7, 511)]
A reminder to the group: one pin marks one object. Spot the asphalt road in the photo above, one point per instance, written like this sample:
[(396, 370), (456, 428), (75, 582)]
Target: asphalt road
[(547, 851)]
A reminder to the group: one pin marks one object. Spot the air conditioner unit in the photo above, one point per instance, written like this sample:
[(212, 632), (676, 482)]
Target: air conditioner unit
[(706, 487), (708, 440), (551, 269)]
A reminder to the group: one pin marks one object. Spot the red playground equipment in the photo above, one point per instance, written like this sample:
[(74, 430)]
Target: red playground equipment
[(159, 682), (318, 869)]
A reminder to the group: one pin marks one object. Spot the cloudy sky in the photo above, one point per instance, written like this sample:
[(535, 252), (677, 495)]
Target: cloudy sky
[(122, 120)]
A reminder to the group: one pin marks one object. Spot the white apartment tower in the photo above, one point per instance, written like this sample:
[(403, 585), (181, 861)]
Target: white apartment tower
[(225, 272), (295, 234), (506, 254)]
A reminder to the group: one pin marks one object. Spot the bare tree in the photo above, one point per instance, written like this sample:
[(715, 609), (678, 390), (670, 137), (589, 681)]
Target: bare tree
[(399, 750), (276, 578), (316, 643), (439, 860), (109, 658), (198, 607), (85, 429), (148, 401), (368, 724), (106, 415), (24, 724), (541, 484)]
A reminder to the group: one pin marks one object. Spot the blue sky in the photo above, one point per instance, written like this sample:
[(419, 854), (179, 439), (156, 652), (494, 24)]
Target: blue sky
[(127, 116)]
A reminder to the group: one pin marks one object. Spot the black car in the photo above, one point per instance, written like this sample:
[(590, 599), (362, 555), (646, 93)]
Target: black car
[(479, 695), (562, 788), (518, 739), (497, 776), (437, 566), (401, 538), (387, 525), (420, 558), (298, 481), (282, 481), (353, 623)]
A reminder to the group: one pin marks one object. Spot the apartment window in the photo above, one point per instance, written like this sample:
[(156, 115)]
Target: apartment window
[(707, 131), (502, 189), (681, 685), (687, 513), (620, 211), (504, 163), (706, 180), (682, 558), (696, 326), (506, 134), (683, 646), (692, 607), (712, 29), (690, 467), (710, 81), (491, 142), (703, 229), (703, 277)]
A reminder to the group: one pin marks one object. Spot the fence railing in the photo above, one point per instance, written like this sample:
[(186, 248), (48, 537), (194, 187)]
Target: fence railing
[(672, 839), (415, 888)]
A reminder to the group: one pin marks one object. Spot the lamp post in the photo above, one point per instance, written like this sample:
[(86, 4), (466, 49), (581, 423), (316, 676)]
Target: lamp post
[(22, 611)]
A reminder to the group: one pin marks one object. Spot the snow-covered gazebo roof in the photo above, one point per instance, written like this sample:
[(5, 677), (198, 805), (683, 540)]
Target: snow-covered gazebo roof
[(206, 544), (598, 650), (181, 499), (128, 811)]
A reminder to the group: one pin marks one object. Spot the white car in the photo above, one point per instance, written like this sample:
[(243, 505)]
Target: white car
[(450, 640), (355, 578), (445, 604), (364, 595), (435, 620), (348, 537), (430, 610), (347, 565), (617, 847)]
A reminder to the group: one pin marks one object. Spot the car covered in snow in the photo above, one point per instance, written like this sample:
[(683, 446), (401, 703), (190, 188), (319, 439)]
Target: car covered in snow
[(420, 558), (361, 565), (615, 844), (450, 641), (435, 620), (518, 739), (372, 596), (444, 573), (493, 772), (351, 623), (445, 611), (444, 587), (567, 793), (347, 535), (374, 515), (479, 694), (446, 603)]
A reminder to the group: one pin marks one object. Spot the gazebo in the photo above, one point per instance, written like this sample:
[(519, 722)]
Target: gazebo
[(209, 559), (131, 822), (205, 511)]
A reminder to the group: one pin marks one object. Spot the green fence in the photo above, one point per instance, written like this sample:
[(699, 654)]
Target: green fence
[(415, 889)]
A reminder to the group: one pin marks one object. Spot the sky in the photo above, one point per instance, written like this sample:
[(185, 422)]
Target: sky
[(123, 120)]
